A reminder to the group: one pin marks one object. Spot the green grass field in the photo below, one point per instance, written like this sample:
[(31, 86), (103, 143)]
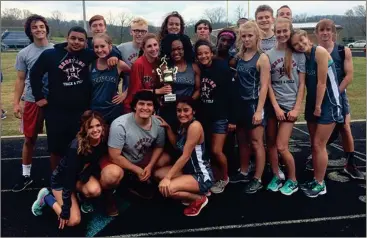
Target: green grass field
[(356, 92)]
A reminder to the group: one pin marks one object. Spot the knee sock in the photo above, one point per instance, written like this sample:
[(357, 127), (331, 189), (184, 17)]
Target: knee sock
[(350, 158), (26, 169), (50, 200)]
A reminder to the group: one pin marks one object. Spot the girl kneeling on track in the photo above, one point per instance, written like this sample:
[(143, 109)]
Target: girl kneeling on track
[(190, 178), (79, 170), (286, 94), (323, 106)]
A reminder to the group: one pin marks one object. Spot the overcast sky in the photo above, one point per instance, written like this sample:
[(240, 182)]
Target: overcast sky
[(155, 11)]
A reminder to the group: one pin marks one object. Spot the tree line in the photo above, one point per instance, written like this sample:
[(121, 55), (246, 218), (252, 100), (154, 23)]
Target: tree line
[(353, 22)]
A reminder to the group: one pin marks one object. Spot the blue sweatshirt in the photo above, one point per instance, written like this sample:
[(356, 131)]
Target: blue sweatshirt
[(68, 73)]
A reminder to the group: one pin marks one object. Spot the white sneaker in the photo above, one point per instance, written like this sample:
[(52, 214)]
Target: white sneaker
[(219, 186)]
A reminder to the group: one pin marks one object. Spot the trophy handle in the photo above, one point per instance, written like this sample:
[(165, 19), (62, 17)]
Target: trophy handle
[(174, 72)]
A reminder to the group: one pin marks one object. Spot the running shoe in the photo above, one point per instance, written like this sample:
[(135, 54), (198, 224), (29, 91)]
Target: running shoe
[(40, 203), (22, 183), (275, 184), (219, 186), (316, 190), (239, 177), (253, 186), (289, 187), (308, 184), (195, 207), (354, 172)]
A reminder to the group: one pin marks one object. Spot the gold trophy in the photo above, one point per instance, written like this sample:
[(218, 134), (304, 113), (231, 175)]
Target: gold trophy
[(168, 76)]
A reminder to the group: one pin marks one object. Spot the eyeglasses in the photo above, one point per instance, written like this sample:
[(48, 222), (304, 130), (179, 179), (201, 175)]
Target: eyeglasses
[(136, 31)]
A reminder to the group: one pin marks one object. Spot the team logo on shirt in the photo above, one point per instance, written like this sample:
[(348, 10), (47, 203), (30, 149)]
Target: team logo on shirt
[(132, 58), (72, 68), (207, 87), (142, 146)]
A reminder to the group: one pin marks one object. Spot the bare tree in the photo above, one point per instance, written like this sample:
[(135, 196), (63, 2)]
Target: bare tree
[(110, 18), (360, 11), (12, 14), (215, 15), (300, 18), (26, 13), (57, 16), (240, 12), (124, 21), (356, 18)]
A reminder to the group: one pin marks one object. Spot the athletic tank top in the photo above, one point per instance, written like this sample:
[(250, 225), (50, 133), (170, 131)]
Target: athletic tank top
[(248, 78), (332, 96), (104, 88), (199, 162), (185, 82), (339, 65)]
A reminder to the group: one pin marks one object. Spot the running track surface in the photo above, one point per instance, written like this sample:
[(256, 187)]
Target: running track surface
[(338, 213)]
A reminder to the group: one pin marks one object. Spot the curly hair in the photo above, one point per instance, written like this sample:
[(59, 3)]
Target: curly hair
[(164, 30), (84, 146), (28, 22), (166, 47)]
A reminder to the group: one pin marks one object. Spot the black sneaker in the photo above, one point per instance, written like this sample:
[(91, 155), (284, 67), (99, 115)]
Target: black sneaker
[(23, 182), (253, 186), (353, 172), (239, 177)]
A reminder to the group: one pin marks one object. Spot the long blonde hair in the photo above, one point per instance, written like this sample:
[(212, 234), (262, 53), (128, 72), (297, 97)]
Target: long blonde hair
[(300, 33), (239, 43), (288, 51)]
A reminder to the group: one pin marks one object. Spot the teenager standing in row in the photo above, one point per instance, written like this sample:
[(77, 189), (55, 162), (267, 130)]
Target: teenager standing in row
[(105, 81), (286, 94), (253, 72), (37, 30), (215, 115), (323, 106), (342, 56)]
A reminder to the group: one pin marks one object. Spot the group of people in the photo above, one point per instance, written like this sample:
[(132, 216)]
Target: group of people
[(248, 86)]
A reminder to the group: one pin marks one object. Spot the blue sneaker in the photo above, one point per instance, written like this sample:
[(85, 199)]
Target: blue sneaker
[(40, 203)]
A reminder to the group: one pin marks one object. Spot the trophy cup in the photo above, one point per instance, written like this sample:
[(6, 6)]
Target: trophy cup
[(167, 76)]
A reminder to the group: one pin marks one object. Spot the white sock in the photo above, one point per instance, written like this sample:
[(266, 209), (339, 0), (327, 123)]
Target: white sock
[(26, 169)]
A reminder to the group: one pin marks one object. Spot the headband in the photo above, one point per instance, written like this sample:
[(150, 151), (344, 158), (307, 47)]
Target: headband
[(227, 33)]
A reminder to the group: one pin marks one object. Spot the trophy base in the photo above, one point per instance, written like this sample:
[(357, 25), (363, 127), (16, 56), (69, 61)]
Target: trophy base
[(170, 98)]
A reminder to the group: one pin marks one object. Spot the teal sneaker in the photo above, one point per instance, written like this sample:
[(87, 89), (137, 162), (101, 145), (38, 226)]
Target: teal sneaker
[(289, 187), (39, 204), (307, 184), (274, 184), (316, 190), (86, 207)]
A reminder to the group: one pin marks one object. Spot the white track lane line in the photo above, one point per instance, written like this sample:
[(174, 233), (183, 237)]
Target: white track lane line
[(335, 146), (242, 226)]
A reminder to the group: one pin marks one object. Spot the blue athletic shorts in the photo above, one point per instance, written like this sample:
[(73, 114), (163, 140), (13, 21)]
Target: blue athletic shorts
[(220, 126), (345, 103), (246, 112), (328, 116), (204, 186)]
